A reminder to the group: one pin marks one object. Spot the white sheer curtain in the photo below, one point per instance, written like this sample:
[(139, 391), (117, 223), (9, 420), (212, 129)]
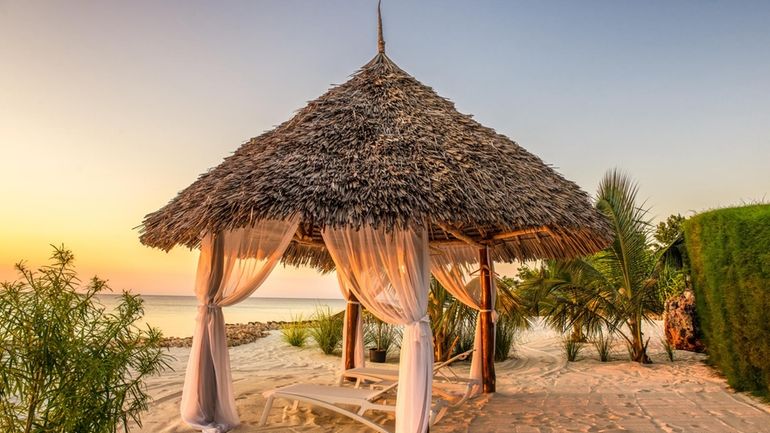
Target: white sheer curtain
[(358, 358), (389, 272), (231, 266), (453, 266)]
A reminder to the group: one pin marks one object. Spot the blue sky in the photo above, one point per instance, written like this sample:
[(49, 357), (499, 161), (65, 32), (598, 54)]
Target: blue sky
[(110, 108)]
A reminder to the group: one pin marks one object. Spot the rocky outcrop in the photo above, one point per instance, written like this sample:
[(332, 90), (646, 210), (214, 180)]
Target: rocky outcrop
[(237, 334), (681, 323)]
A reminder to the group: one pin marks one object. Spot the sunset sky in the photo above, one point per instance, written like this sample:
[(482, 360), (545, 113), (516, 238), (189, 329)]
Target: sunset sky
[(108, 109)]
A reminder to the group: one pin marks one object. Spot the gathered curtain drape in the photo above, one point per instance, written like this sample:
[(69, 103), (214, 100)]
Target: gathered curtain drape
[(358, 358), (389, 272), (231, 266), (453, 266)]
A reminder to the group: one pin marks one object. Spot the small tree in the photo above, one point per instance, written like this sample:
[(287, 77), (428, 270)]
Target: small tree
[(617, 288), (67, 364), (667, 232)]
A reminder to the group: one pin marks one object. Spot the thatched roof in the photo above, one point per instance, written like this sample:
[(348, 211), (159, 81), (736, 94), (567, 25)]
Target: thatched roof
[(385, 150)]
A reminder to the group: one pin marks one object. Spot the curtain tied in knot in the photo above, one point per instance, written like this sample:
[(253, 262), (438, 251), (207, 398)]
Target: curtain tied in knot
[(425, 331), (232, 265)]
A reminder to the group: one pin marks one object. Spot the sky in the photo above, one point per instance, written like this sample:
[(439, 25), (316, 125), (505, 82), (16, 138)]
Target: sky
[(108, 109)]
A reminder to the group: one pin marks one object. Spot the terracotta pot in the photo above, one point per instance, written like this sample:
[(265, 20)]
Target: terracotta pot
[(377, 355)]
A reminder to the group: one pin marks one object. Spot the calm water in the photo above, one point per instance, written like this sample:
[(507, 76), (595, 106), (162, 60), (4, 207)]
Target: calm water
[(175, 315)]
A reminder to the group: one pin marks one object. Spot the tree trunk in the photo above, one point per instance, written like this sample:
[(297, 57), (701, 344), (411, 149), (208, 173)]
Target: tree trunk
[(638, 348), (577, 333)]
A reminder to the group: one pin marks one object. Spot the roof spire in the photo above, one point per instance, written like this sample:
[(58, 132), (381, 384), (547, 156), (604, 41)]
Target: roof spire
[(380, 39)]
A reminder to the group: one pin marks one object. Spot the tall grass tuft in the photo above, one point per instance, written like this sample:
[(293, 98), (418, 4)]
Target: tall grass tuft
[(603, 345), (572, 348), (505, 338), (669, 348), (295, 332), (327, 329)]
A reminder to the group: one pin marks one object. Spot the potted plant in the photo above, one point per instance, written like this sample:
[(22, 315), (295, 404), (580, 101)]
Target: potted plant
[(380, 336)]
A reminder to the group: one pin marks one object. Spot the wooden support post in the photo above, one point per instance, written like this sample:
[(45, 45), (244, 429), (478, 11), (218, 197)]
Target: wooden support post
[(353, 309), (487, 325)]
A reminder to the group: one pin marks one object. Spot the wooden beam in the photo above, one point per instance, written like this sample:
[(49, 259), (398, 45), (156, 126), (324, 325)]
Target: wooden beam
[(517, 233), (308, 241), (353, 310), (487, 325), (452, 242), (460, 235)]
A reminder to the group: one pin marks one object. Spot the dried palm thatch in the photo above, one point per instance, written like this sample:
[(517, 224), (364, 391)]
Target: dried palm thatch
[(383, 149)]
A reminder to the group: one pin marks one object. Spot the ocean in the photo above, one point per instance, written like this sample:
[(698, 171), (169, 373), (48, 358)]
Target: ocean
[(175, 315)]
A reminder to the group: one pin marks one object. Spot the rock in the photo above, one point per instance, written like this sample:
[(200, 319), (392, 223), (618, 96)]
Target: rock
[(237, 334), (681, 323)]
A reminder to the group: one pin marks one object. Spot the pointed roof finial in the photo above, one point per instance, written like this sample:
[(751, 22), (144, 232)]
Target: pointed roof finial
[(380, 39)]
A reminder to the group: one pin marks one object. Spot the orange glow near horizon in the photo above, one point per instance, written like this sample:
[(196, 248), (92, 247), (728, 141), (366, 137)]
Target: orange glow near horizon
[(109, 109)]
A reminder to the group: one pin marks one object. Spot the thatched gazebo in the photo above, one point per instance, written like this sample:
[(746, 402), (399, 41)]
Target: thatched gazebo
[(376, 157)]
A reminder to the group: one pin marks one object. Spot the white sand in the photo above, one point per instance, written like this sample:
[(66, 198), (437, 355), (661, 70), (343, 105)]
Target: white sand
[(536, 392)]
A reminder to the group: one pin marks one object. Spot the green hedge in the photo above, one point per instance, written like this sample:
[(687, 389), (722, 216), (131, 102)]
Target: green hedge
[(729, 250)]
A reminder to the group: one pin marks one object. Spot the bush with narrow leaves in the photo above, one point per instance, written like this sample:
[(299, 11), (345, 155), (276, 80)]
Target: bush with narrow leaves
[(326, 329), (67, 364), (295, 332)]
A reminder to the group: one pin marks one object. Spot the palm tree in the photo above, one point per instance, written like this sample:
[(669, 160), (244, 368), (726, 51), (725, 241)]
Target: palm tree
[(556, 293), (617, 287), (624, 274)]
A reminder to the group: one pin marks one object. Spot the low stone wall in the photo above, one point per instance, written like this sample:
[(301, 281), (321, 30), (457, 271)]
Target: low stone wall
[(237, 334)]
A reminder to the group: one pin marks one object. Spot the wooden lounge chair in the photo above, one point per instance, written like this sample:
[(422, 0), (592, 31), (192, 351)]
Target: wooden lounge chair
[(335, 397), (446, 383)]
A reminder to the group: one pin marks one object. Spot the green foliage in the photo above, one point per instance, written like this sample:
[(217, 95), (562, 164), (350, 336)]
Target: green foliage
[(729, 251), (295, 332), (555, 291), (603, 344), (617, 288), (327, 329), (513, 315), (671, 282), (674, 264), (669, 348), (380, 335), (572, 348), (506, 330), (68, 365), (452, 322), (667, 232)]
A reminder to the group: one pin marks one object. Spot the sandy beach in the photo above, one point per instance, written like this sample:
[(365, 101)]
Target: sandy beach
[(538, 392)]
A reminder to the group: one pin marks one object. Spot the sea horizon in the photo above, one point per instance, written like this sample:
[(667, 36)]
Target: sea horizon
[(175, 315)]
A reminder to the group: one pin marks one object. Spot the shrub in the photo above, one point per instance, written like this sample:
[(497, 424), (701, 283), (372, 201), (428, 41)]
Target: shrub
[(452, 323), (327, 329), (66, 363), (572, 348), (505, 337), (729, 251), (295, 332), (603, 344)]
